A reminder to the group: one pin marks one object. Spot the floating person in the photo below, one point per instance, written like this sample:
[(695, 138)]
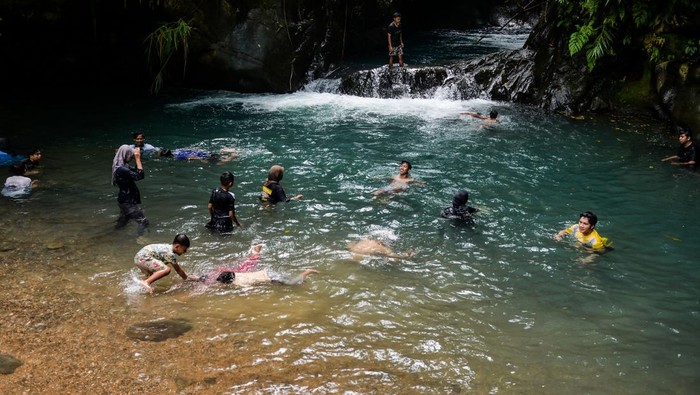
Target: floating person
[(272, 191), (399, 182), (395, 39), (153, 260), (242, 278), (7, 155), (18, 185), (32, 161), (459, 209), (125, 176), (493, 114), (687, 155), (585, 233), (369, 246), (222, 209), (225, 155)]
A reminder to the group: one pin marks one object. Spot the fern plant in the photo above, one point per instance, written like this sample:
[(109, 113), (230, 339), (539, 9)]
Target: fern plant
[(601, 27), (162, 44)]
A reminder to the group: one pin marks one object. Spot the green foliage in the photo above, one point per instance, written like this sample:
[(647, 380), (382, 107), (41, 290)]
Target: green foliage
[(162, 44), (600, 28)]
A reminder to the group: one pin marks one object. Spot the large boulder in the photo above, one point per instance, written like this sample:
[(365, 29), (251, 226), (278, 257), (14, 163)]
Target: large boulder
[(678, 88)]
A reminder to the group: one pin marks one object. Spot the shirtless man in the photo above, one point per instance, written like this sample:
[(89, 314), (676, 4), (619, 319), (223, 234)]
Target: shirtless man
[(399, 182), (487, 120), (374, 247)]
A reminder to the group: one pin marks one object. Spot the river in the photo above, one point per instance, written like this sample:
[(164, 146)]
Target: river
[(497, 307)]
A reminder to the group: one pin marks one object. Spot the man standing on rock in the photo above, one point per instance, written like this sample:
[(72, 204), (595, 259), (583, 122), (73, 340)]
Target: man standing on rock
[(395, 38)]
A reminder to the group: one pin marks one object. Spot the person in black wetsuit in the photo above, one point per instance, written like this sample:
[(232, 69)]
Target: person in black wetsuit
[(687, 155), (125, 176), (459, 209), (222, 208), (272, 191)]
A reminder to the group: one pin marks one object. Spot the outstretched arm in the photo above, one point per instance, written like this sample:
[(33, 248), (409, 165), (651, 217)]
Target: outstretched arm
[(300, 278), (560, 234), (182, 273), (475, 115)]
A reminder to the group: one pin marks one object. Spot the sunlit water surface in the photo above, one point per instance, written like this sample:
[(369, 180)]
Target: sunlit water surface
[(495, 307)]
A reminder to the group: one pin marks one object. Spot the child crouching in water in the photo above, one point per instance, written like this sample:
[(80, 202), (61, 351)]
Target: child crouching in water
[(153, 260)]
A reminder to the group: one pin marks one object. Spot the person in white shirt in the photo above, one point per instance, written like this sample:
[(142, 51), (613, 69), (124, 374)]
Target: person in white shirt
[(18, 185)]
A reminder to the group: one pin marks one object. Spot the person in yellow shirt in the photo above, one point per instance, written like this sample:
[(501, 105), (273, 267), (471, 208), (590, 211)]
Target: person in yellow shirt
[(585, 233)]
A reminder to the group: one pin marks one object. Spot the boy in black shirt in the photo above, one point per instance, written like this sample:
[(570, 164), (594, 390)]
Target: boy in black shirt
[(222, 205)]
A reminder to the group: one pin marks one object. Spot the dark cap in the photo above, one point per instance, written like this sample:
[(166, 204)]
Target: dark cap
[(397, 14)]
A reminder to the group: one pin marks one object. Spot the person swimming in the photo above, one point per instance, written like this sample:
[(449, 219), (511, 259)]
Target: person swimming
[(372, 247), (459, 209), (247, 279), (247, 274), (225, 155), (493, 114)]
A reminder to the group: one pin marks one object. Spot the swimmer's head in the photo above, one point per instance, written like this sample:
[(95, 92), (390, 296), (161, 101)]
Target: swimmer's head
[(493, 114), (226, 277), (407, 163), (276, 173), (460, 198), (226, 178), (592, 218)]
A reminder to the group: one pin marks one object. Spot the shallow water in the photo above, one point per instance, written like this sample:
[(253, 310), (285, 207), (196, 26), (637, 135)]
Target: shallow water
[(497, 307)]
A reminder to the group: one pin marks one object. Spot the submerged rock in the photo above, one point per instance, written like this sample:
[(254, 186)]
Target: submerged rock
[(158, 331), (8, 364)]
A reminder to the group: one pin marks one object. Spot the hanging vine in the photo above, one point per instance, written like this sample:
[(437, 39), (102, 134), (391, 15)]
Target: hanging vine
[(162, 44)]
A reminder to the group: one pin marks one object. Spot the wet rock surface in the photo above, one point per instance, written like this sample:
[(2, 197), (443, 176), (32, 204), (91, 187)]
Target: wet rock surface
[(8, 364), (158, 331)]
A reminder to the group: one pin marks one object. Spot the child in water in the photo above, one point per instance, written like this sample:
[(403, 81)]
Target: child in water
[(272, 191), (153, 260), (242, 276), (459, 209)]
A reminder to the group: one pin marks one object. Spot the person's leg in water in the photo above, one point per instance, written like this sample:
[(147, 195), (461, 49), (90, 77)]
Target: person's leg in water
[(123, 217), (154, 277), (142, 222), (152, 269), (135, 212), (296, 280)]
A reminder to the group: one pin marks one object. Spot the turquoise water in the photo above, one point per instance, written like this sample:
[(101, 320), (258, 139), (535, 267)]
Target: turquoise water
[(497, 307)]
